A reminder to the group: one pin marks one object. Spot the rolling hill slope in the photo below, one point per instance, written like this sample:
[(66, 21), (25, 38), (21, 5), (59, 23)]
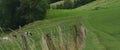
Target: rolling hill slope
[(100, 17), (105, 26)]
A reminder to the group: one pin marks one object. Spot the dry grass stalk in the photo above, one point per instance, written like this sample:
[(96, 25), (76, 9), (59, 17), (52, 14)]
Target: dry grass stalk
[(82, 30), (75, 36), (62, 47), (50, 42), (71, 46), (24, 40), (44, 44), (79, 37), (1, 30)]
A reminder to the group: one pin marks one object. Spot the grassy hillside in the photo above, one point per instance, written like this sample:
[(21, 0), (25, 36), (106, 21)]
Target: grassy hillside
[(102, 20), (100, 17), (105, 26)]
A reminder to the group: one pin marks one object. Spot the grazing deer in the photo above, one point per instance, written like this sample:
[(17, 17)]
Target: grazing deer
[(28, 33), (5, 38), (8, 38)]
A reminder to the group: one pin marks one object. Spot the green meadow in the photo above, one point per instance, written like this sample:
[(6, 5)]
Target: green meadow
[(101, 18)]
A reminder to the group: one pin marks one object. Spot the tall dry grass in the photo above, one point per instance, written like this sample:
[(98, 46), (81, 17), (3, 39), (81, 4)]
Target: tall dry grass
[(74, 41)]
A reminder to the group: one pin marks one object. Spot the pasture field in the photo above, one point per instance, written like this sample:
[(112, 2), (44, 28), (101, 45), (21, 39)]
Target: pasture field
[(101, 18)]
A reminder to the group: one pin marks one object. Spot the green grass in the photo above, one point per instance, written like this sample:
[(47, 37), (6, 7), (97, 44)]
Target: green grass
[(43, 27), (103, 24), (103, 27)]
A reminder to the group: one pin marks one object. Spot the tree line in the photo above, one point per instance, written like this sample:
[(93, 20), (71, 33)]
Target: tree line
[(70, 4)]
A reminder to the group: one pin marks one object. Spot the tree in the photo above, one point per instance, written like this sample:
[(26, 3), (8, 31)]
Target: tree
[(7, 11), (32, 10), (14, 13)]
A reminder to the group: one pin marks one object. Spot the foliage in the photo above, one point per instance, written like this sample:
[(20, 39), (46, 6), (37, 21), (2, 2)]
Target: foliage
[(19, 12), (103, 27), (68, 4), (7, 12)]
